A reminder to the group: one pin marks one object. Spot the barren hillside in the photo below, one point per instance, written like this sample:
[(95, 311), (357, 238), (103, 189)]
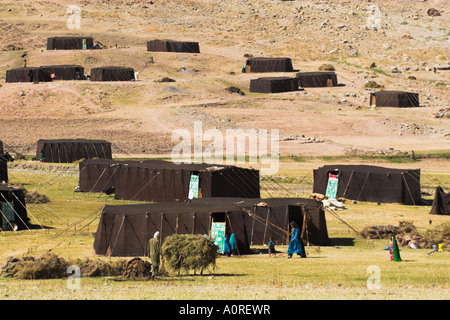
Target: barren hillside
[(139, 117)]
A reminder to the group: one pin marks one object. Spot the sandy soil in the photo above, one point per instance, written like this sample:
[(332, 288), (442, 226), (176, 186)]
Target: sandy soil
[(140, 117)]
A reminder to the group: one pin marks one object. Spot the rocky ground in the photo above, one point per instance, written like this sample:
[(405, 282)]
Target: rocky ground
[(401, 45)]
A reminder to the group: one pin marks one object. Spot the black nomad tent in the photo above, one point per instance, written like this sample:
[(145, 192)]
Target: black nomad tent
[(368, 183), (65, 72), (70, 43), (124, 230), (273, 84), (28, 74), (264, 64), (70, 150), (441, 202), (173, 46), (316, 79), (158, 181), (112, 74), (399, 99), (13, 213)]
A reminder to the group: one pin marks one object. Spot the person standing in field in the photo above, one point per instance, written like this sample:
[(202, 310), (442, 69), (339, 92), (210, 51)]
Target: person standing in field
[(154, 252), (295, 243), (233, 244), (394, 252)]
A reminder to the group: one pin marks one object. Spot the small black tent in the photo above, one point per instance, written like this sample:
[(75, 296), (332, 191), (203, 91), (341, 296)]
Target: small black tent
[(65, 72), (316, 79), (273, 84), (13, 212), (124, 230), (265, 64), (441, 202), (173, 46), (399, 99), (70, 43), (369, 183), (70, 150), (112, 74), (157, 181), (28, 74)]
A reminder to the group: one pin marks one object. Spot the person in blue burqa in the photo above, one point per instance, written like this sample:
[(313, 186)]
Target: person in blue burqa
[(295, 243), (233, 244), (226, 247)]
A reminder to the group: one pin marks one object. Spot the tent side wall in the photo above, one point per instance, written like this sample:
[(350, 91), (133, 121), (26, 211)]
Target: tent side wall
[(317, 79), (273, 85), (16, 198), (372, 185), (441, 202), (70, 151), (269, 65), (3, 169), (70, 43)]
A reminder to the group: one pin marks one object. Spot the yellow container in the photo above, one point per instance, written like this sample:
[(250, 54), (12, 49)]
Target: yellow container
[(441, 246)]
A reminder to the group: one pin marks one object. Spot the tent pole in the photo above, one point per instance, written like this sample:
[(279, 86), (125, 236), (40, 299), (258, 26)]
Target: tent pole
[(357, 198), (407, 187)]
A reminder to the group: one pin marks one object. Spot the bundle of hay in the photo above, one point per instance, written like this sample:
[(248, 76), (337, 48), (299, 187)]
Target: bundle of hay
[(189, 252), (137, 268), (35, 197), (47, 266), (407, 234)]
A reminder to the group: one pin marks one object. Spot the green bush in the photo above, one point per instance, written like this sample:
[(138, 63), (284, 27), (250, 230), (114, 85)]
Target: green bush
[(189, 252)]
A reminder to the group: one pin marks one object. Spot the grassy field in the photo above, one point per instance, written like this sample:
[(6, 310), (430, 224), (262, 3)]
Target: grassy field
[(343, 271)]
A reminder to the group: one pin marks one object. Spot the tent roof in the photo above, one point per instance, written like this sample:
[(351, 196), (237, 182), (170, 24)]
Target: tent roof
[(160, 164), (363, 168), (206, 205), (71, 141)]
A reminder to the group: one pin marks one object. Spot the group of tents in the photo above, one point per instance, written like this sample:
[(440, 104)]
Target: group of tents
[(252, 65), (200, 198), (76, 72), (316, 79)]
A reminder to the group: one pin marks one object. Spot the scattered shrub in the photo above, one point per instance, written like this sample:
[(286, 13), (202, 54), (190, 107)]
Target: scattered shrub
[(327, 67)]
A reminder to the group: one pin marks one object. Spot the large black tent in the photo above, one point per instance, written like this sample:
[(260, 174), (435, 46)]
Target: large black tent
[(441, 202), (13, 212), (316, 79), (369, 183), (173, 46), (124, 230), (273, 84), (70, 43), (157, 181), (112, 74), (265, 64), (399, 99), (28, 74), (70, 150), (65, 72)]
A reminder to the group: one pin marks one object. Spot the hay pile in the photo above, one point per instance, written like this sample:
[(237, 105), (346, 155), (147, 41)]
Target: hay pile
[(137, 268), (35, 197), (406, 233), (189, 252), (47, 266), (50, 266)]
